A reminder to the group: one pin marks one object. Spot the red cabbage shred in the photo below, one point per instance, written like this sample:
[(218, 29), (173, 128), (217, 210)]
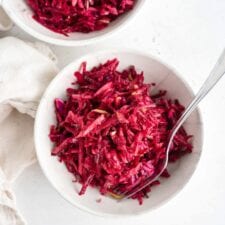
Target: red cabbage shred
[(67, 16), (112, 129)]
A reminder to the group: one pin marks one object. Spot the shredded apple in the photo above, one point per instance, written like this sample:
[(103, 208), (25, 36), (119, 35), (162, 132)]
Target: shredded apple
[(66, 16), (112, 131)]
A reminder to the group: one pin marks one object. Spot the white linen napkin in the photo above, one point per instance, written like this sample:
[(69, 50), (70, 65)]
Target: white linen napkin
[(25, 71)]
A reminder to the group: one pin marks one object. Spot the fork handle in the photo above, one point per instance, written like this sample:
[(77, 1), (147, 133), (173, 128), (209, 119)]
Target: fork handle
[(215, 75)]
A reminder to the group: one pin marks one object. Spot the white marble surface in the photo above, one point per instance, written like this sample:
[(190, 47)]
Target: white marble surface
[(189, 35)]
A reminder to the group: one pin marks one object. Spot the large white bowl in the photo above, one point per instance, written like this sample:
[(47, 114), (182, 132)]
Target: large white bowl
[(21, 14), (61, 179)]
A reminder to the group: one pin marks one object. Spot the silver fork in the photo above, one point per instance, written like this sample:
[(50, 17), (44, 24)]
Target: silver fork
[(215, 75)]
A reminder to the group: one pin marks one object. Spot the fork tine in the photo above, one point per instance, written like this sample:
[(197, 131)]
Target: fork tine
[(124, 193), (149, 180), (138, 187)]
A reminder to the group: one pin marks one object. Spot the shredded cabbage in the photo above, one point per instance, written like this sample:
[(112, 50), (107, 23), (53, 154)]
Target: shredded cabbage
[(112, 131)]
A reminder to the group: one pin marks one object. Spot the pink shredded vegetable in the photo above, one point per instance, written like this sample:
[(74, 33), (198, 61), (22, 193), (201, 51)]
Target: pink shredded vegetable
[(66, 16), (112, 129)]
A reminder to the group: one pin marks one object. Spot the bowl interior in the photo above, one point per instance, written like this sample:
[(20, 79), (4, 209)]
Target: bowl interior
[(21, 14), (56, 172)]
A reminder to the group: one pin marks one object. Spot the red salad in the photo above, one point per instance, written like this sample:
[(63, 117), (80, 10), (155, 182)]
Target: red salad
[(112, 129), (66, 16)]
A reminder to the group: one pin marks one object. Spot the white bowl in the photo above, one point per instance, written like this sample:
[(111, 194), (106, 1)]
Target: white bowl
[(61, 179), (21, 14)]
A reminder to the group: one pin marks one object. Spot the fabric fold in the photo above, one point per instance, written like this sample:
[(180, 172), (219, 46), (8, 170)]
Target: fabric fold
[(25, 71)]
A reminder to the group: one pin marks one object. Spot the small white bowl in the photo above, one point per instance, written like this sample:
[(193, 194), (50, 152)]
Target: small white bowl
[(21, 14), (61, 179)]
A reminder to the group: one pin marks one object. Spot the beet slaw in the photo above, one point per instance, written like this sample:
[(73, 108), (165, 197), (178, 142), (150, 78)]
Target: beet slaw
[(112, 130), (67, 16)]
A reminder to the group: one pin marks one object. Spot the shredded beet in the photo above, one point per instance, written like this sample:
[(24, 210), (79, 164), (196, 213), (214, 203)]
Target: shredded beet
[(67, 16), (112, 131)]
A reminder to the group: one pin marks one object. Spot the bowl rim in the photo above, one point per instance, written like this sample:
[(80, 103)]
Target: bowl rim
[(55, 41), (114, 51)]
